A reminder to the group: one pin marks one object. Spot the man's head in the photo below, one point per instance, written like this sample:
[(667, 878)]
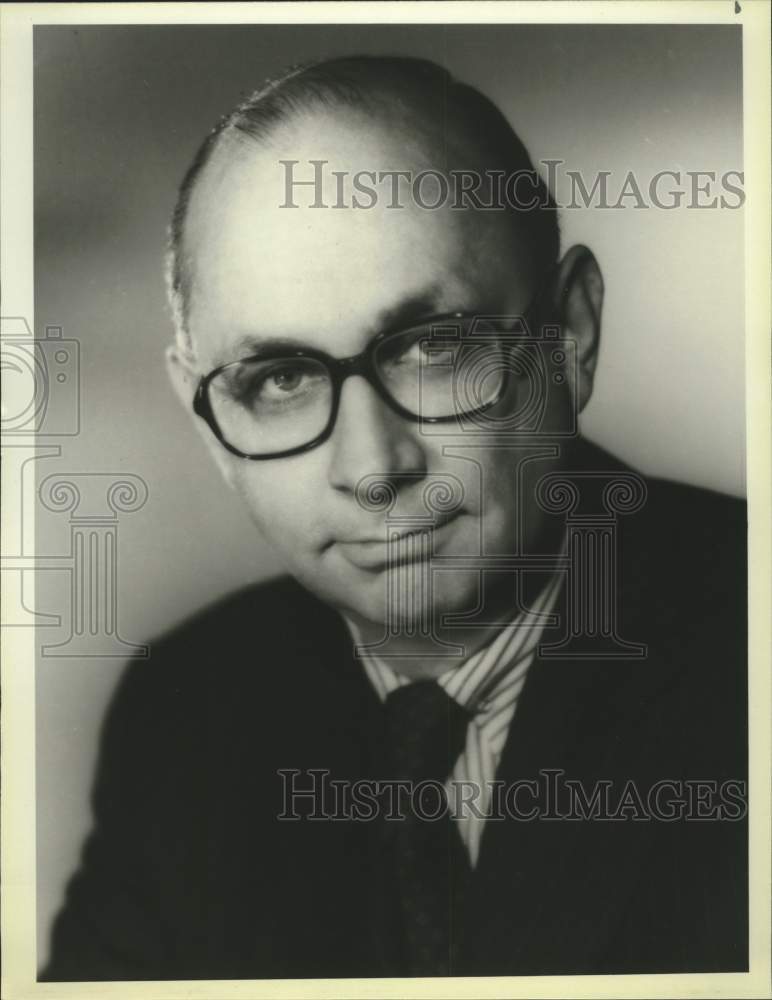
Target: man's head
[(246, 269)]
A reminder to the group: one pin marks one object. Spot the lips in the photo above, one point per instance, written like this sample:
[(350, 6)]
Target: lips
[(414, 544)]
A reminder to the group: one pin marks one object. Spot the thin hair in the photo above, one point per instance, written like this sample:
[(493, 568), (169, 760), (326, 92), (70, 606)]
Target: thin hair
[(372, 83)]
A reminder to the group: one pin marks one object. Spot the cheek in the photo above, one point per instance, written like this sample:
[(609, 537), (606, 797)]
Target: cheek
[(280, 500), (480, 471), (504, 489)]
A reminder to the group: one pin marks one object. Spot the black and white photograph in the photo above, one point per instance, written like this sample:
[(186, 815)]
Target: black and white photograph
[(386, 499)]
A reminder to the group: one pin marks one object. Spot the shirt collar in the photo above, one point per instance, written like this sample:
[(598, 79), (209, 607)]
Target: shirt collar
[(476, 682)]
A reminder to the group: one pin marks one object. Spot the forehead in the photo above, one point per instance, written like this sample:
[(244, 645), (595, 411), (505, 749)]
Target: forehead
[(326, 276)]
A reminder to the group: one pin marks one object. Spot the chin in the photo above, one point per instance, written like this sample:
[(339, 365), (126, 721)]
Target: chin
[(406, 599)]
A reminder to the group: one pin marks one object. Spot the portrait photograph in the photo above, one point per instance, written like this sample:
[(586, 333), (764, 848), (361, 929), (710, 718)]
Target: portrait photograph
[(386, 500)]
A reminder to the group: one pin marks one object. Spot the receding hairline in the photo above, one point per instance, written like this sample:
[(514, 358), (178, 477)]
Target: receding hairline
[(419, 97)]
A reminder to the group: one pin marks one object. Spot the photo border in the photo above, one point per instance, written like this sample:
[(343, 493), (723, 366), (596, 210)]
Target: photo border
[(17, 856)]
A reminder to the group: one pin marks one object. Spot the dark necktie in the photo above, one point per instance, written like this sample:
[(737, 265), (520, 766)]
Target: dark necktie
[(426, 731)]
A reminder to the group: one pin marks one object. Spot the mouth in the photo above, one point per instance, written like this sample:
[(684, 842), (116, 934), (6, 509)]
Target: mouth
[(401, 546)]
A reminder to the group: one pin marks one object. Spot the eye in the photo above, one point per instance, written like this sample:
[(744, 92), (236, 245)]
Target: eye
[(417, 352), (284, 380), (415, 349), (262, 387)]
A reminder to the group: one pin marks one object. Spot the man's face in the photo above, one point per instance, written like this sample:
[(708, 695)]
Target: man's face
[(332, 279)]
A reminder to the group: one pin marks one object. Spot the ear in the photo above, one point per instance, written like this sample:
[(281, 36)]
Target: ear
[(184, 378), (578, 298), (182, 374)]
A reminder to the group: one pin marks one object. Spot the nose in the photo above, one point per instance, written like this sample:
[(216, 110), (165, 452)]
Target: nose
[(370, 438)]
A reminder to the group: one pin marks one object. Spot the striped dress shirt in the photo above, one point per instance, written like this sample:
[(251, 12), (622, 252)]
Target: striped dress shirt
[(487, 685)]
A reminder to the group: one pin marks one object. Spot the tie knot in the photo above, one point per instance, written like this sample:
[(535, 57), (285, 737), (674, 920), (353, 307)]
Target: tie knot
[(426, 730)]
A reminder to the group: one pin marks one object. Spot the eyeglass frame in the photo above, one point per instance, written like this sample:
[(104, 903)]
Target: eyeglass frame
[(342, 368)]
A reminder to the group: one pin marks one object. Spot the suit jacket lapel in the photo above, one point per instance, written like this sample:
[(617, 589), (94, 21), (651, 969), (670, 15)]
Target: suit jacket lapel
[(537, 879)]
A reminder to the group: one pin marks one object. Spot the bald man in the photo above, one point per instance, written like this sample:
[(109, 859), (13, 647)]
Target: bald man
[(416, 755)]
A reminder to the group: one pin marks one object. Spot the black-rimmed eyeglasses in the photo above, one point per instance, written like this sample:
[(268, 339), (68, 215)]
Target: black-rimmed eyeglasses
[(283, 402)]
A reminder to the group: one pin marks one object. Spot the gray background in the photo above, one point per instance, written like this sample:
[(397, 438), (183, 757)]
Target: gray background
[(119, 112)]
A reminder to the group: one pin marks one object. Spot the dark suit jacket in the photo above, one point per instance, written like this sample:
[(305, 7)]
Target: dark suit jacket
[(189, 874)]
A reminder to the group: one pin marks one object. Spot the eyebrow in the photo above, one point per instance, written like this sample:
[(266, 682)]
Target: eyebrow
[(253, 346), (410, 310)]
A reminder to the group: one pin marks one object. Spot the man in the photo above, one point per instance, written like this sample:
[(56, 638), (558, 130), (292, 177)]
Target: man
[(485, 607)]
